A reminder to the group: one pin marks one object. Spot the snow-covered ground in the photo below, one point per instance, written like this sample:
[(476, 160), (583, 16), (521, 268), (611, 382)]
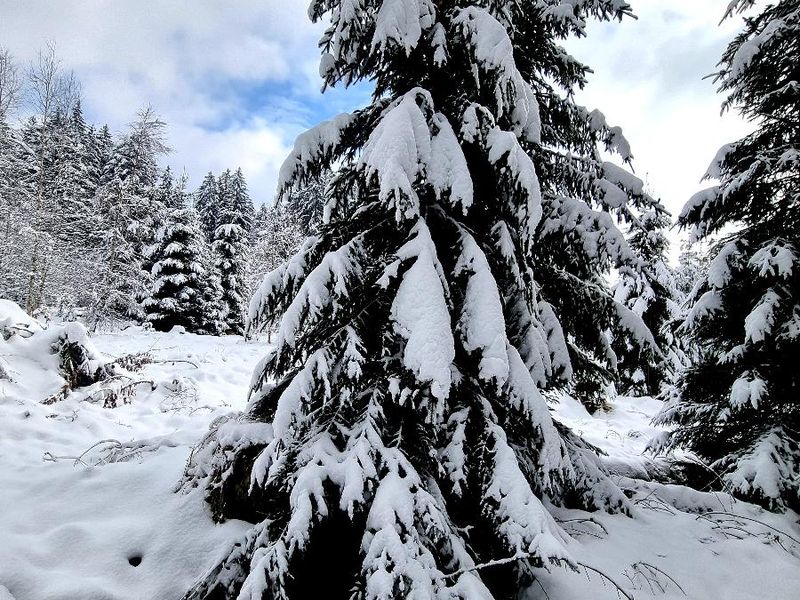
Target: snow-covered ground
[(68, 531), (110, 526), (678, 543)]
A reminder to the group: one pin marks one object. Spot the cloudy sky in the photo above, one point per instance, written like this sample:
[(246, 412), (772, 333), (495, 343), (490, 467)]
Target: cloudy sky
[(237, 79)]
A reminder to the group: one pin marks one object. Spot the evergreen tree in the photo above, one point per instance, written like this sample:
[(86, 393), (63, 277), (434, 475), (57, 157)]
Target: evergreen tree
[(653, 295), (212, 291), (122, 276), (14, 196), (230, 254), (307, 202), (396, 434), (231, 249), (164, 192), (206, 202), (277, 235), (224, 193), (690, 270), (177, 297), (240, 204), (103, 147), (132, 212), (76, 186), (737, 405), (83, 174)]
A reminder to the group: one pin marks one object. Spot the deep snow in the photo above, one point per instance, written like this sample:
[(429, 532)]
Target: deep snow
[(68, 531), (72, 531)]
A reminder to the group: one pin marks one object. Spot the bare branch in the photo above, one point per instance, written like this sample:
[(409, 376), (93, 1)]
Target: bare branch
[(525, 555), (10, 84)]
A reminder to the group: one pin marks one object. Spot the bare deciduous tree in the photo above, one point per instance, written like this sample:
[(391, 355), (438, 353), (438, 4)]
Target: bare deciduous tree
[(51, 89), (10, 83)]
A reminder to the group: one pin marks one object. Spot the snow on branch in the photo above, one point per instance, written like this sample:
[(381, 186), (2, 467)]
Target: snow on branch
[(412, 144), (509, 158), (493, 51), (311, 148), (402, 22), (322, 291), (421, 316), (482, 323)]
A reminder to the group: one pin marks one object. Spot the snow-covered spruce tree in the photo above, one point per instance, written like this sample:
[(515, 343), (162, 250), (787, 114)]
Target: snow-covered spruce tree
[(653, 295), (164, 191), (134, 166), (206, 202), (692, 264), (240, 203), (396, 435), (738, 406), (307, 203), (179, 278), (230, 263), (132, 172), (277, 235)]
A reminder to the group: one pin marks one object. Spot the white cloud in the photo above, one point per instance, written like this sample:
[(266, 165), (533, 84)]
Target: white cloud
[(257, 147), (649, 79), (191, 61)]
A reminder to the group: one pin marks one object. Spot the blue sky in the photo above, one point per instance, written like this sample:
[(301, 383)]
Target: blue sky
[(237, 80)]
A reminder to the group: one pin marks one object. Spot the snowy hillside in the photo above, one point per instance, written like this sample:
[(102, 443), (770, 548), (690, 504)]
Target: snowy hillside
[(88, 508)]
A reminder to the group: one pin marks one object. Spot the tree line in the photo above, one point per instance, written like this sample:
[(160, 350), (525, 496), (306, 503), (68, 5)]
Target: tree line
[(94, 227)]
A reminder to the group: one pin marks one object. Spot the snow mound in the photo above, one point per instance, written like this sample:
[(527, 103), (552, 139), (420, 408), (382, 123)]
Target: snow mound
[(14, 320)]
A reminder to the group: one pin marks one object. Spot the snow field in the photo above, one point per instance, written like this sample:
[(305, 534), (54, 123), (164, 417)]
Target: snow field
[(70, 531), (75, 531)]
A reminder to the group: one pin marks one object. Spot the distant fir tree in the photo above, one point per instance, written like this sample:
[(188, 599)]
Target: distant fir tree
[(224, 192), (136, 156), (230, 263), (737, 406), (212, 291), (206, 205), (206, 202), (122, 274), (14, 194), (653, 295), (277, 235), (692, 264), (75, 185), (177, 297), (241, 205), (164, 190), (83, 173), (132, 213), (16, 185), (396, 435), (307, 202), (104, 148), (231, 250)]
